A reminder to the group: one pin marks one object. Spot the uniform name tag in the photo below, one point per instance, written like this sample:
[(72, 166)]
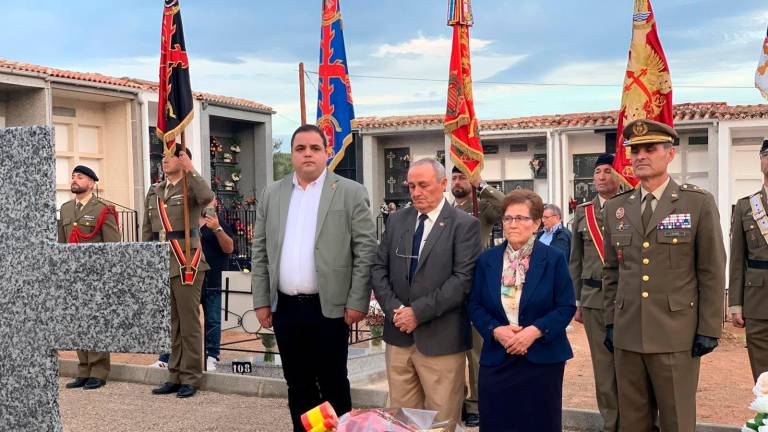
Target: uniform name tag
[(675, 221), (675, 234), (89, 217)]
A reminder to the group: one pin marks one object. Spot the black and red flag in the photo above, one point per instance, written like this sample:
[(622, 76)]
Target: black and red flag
[(174, 110)]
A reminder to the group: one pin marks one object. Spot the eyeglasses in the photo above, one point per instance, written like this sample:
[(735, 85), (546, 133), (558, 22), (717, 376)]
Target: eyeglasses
[(397, 253), (509, 219), (400, 254)]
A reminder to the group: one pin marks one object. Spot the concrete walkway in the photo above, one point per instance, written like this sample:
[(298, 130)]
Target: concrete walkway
[(227, 403), (130, 407)]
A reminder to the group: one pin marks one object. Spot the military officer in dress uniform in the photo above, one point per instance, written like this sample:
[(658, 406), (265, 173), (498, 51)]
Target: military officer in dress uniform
[(489, 212), (663, 285), (88, 219), (747, 297), (164, 221), (586, 267)]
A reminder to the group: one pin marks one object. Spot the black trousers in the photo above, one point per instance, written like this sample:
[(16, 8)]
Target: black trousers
[(313, 350)]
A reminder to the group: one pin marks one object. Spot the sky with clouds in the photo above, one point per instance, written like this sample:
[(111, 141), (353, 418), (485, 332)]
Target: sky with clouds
[(251, 48)]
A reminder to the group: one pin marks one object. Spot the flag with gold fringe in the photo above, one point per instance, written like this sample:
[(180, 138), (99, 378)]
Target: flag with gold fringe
[(761, 75), (460, 121), (174, 105), (647, 88)]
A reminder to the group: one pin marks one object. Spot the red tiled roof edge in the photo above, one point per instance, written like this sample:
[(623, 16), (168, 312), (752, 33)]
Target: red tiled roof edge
[(133, 83), (683, 112)]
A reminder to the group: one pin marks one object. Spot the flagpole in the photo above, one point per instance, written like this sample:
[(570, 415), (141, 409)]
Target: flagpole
[(302, 102), (185, 198)]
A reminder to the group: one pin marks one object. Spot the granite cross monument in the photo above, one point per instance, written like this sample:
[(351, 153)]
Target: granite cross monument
[(96, 297)]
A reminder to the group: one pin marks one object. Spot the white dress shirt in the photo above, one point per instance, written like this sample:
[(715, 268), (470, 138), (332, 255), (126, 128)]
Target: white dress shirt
[(297, 259), (428, 223)]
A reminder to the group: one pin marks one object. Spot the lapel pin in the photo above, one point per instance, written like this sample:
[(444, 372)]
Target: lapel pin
[(442, 223), (333, 186)]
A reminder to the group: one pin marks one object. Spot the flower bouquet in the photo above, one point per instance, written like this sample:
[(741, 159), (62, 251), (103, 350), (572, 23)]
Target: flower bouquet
[(375, 321), (536, 165), (392, 420), (323, 419), (759, 405)]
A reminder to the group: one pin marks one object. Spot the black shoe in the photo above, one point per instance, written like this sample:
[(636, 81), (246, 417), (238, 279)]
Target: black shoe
[(166, 388), (77, 383), (186, 391), (472, 420), (94, 383)]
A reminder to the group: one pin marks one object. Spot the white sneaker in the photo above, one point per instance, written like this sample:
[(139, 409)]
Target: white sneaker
[(159, 364), (210, 364)]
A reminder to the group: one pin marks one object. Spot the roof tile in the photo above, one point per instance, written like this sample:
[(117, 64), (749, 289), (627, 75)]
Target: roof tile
[(134, 83), (685, 111)]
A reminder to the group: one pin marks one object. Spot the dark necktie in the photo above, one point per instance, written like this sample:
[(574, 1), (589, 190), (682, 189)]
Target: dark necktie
[(648, 211), (78, 207), (416, 245)]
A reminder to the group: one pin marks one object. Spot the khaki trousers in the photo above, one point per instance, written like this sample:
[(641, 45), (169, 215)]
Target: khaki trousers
[(757, 345), (473, 363), (92, 364), (433, 383), (186, 363), (604, 369), (667, 381)]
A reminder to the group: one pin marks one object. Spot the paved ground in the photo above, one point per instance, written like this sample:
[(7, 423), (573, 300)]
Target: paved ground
[(127, 407), (130, 407), (724, 392)]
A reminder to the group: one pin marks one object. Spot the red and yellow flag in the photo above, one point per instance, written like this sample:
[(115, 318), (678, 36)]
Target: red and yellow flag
[(460, 121), (647, 92)]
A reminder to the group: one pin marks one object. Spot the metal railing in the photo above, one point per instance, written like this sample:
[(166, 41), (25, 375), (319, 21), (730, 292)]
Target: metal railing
[(243, 223)]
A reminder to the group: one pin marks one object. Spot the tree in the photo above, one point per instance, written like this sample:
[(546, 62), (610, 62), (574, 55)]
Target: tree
[(281, 162)]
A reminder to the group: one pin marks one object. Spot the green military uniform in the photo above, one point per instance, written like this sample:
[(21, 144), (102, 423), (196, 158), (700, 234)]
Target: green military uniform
[(90, 364), (185, 366), (749, 276), (489, 211), (663, 285), (586, 268)]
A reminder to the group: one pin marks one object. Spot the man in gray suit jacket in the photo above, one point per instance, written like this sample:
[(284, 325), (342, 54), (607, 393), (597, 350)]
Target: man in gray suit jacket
[(421, 276), (313, 246)]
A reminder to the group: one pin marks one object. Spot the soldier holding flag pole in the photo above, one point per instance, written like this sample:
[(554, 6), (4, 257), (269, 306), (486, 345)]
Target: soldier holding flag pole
[(168, 207), (467, 155)]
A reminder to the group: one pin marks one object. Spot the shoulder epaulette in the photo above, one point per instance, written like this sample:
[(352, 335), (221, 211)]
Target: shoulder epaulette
[(630, 191), (692, 188)]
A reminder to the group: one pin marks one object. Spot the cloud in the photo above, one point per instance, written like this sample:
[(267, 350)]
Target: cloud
[(423, 46)]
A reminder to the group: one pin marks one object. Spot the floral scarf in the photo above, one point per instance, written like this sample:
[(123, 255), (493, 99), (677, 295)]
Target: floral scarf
[(516, 263)]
